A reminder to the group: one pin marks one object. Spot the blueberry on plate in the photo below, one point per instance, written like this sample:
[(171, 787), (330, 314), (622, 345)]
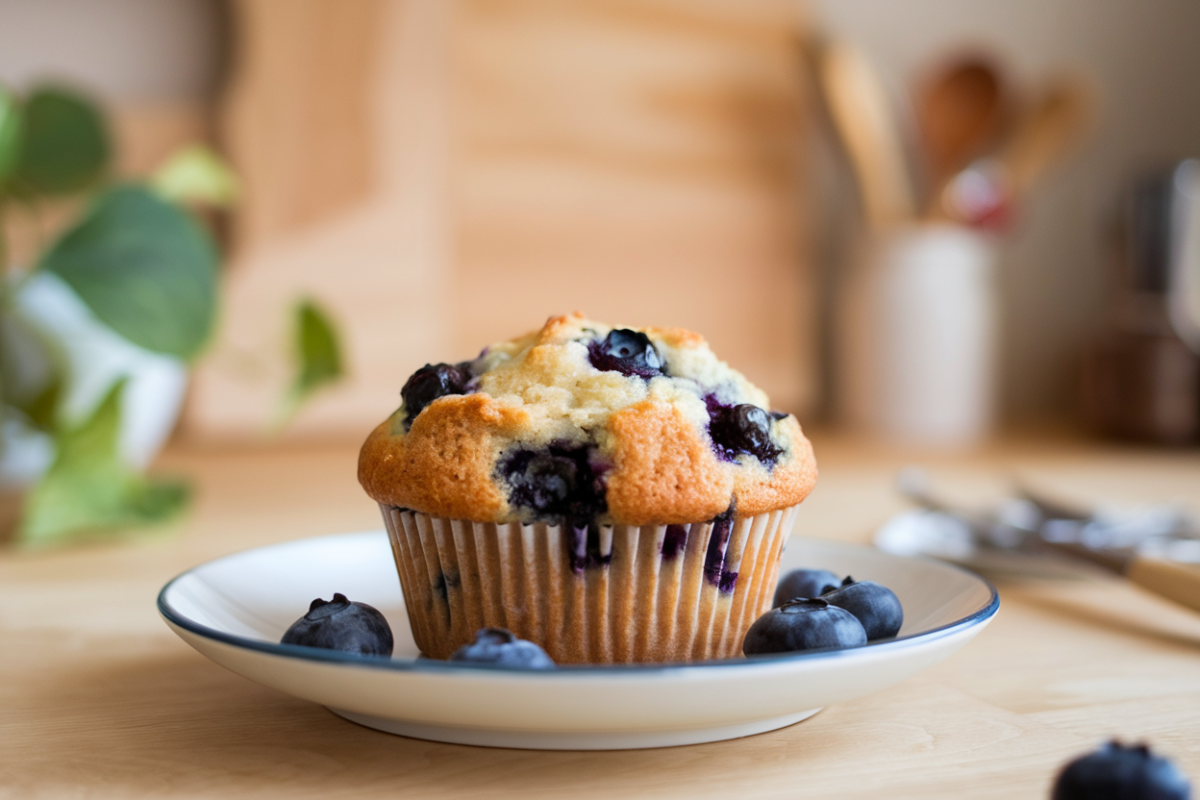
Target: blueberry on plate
[(803, 624), (502, 648), (340, 624), (804, 583), (429, 383), (876, 606), (1118, 772), (627, 352)]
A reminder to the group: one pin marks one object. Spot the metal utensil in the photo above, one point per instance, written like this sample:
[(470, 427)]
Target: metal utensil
[(1157, 548)]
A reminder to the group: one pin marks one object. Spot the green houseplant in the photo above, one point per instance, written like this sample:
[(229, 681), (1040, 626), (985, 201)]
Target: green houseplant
[(100, 324)]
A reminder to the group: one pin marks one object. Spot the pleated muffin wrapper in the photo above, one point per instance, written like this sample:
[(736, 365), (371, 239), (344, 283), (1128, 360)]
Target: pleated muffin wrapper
[(597, 595)]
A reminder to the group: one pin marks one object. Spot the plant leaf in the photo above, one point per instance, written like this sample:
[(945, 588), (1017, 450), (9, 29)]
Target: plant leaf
[(195, 174), (318, 354), (64, 143), (89, 490), (30, 373), (10, 132), (43, 409), (144, 267)]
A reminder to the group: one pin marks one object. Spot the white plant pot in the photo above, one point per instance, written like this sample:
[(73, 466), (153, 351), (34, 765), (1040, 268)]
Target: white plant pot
[(918, 337), (93, 358)]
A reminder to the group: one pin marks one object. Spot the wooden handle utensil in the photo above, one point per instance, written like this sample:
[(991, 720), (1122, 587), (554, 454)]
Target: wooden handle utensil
[(1173, 580), (866, 125), (959, 111), (1056, 121)]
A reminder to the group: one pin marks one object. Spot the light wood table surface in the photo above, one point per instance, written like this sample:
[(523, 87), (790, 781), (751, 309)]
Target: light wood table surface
[(99, 699)]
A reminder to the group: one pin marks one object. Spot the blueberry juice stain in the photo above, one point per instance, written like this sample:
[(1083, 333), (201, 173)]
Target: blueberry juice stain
[(714, 558), (444, 583), (674, 541), (583, 549), (561, 485)]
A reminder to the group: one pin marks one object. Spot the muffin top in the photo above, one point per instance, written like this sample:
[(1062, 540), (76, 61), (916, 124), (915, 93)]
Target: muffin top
[(581, 423)]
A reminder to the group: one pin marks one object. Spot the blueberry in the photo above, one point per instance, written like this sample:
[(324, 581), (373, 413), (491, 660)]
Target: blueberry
[(1117, 772), (803, 624), (559, 483), (503, 648), (739, 429), (339, 624), (431, 382), (627, 352), (804, 583), (876, 606)]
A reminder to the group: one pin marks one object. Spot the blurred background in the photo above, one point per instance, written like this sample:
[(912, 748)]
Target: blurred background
[(959, 239), (437, 176)]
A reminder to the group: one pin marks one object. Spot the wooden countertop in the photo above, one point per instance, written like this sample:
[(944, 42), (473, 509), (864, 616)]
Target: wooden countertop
[(99, 698)]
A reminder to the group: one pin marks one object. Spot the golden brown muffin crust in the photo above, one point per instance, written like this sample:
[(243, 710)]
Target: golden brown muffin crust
[(649, 437), (759, 491), (663, 473), (444, 465)]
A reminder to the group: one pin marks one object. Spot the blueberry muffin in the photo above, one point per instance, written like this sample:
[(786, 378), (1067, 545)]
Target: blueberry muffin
[(613, 494)]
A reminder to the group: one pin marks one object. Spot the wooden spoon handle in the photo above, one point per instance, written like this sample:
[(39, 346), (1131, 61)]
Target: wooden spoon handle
[(1056, 123), (858, 105), (1169, 579)]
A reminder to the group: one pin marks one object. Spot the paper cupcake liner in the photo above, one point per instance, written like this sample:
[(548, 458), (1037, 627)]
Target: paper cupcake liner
[(599, 595)]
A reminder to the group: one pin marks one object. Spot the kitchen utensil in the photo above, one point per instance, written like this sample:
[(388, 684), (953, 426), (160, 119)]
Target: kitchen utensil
[(1136, 545), (1045, 131), (958, 112), (1170, 579), (866, 126), (233, 610), (985, 192)]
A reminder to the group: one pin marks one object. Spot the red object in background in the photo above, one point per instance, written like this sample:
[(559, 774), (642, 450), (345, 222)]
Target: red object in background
[(980, 196)]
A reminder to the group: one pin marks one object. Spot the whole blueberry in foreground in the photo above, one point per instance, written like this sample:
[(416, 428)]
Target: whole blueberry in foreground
[(627, 352), (340, 624), (503, 648), (1118, 772), (803, 624), (804, 583), (429, 383), (876, 606)]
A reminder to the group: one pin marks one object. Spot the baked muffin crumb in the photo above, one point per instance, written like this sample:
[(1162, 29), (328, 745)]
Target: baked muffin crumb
[(585, 424)]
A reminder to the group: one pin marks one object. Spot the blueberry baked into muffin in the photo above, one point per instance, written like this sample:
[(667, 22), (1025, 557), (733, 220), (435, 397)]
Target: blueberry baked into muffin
[(612, 494)]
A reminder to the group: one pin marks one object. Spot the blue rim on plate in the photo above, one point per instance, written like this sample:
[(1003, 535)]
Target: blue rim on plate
[(977, 617)]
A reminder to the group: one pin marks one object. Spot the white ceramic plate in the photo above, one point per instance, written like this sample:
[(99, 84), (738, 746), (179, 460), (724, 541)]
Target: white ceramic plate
[(235, 609)]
